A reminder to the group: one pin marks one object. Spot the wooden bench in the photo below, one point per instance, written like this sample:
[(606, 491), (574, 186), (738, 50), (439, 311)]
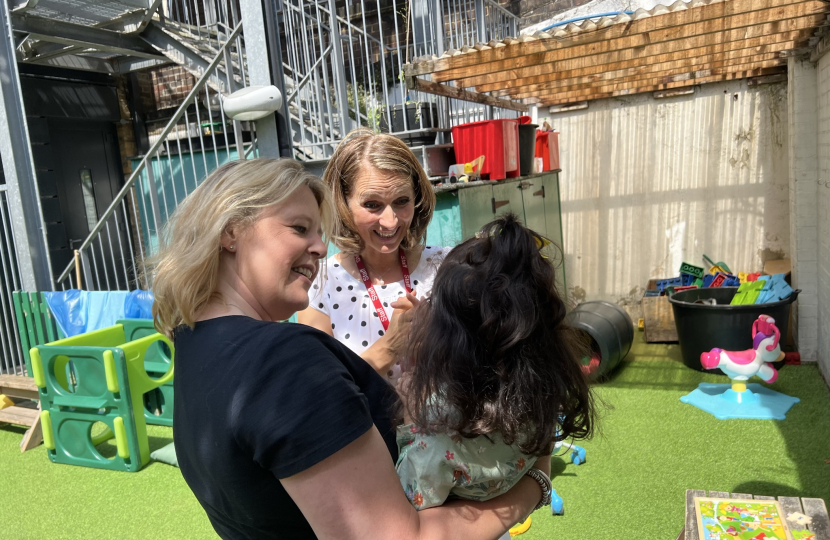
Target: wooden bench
[(813, 508), (26, 410)]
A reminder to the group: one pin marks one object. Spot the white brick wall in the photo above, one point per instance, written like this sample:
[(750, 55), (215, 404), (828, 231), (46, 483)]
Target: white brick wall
[(803, 100), (822, 228)]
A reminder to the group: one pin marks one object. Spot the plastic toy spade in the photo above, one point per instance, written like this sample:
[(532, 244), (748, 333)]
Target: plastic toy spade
[(557, 507), (578, 455), (520, 528), (577, 452), (719, 266), (466, 172), (742, 400)]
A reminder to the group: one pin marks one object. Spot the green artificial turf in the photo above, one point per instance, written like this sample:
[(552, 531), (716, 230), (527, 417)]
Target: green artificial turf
[(43, 500), (650, 450)]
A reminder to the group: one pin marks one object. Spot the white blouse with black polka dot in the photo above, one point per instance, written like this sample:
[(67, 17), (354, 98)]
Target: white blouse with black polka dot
[(354, 321)]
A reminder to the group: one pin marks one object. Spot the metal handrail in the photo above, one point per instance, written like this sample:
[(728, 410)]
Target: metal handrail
[(504, 11), (173, 123)]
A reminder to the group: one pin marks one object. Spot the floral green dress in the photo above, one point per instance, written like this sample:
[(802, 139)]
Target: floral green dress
[(436, 466)]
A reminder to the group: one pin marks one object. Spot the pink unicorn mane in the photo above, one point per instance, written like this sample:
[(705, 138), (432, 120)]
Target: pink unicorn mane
[(763, 328)]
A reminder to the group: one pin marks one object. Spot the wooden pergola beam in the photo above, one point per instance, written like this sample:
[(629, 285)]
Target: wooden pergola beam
[(526, 54), (593, 94), (713, 42), (689, 77), (677, 75), (688, 65), (437, 89), (755, 37)]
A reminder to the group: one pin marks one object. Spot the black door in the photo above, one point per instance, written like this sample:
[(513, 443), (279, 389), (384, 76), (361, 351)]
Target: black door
[(88, 176)]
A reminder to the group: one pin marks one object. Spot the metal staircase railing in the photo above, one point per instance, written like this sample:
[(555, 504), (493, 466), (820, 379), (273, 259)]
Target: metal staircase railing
[(111, 257), (342, 65)]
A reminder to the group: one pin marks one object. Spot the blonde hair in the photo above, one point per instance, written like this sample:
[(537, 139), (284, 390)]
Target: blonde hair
[(185, 271), (386, 153)]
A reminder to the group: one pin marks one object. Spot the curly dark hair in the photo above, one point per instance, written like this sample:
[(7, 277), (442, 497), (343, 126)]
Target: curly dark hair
[(490, 352)]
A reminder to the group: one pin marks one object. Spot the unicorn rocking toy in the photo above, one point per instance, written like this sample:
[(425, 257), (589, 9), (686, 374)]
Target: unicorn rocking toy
[(742, 400)]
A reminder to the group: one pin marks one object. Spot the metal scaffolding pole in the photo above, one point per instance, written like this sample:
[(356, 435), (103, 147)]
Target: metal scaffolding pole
[(259, 71), (18, 166)]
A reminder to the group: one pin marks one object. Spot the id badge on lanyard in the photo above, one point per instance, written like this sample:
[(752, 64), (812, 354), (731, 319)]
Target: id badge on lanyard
[(367, 282)]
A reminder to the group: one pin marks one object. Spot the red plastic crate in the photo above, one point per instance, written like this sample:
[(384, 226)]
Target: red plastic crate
[(547, 148), (497, 140)]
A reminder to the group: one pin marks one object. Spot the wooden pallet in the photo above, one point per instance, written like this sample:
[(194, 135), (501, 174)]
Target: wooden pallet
[(658, 317), (813, 508), (26, 410)]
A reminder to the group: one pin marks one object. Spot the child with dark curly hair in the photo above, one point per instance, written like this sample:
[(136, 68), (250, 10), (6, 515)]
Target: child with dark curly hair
[(495, 379)]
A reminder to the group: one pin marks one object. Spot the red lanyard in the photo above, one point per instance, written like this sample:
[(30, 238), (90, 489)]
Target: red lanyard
[(364, 275)]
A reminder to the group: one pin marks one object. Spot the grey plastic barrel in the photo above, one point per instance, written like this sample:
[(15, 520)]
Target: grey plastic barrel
[(609, 330)]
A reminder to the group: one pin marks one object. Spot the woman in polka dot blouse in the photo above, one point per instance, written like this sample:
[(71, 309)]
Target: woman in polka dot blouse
[(384, 203)]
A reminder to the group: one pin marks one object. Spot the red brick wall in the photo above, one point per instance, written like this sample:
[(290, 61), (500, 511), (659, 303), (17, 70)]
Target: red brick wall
[(170, 85), (126, 136)]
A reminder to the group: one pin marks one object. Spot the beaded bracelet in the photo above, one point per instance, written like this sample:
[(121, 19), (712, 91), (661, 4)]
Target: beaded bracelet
[(544, 483)]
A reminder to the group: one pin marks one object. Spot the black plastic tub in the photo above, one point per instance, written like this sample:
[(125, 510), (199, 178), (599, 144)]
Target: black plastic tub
[(608, 330), (702, 327), (527, 148)]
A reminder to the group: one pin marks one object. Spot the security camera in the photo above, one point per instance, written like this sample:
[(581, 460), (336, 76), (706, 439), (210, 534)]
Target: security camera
[(252, 103)]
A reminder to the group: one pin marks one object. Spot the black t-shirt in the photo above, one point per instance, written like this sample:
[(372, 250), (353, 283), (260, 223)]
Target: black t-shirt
[(257, 401)]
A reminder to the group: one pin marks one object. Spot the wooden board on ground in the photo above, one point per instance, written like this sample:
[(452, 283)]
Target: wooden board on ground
[(33, 436), (815, 509), (18, 387), (658, 319), (19, 415), (26, 411)]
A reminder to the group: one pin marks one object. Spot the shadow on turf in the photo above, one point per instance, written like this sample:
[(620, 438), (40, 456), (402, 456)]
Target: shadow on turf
[(558, 466), (806, 431), (770, 489), (651, 375), (108, 450), (13, 428)]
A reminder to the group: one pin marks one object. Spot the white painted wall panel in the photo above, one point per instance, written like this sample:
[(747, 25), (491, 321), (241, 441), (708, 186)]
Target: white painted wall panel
[(648, 183), (823, 215)]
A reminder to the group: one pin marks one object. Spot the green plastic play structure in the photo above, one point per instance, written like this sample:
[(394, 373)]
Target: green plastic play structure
[(158, 402), (101, 377), (35, 322)]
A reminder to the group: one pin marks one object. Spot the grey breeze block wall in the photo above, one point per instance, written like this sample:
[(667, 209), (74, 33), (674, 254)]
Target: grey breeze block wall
[(823, 215), (809, 156)]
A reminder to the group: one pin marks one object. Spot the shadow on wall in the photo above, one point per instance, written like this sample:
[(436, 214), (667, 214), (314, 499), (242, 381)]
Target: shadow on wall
[(647, 184)]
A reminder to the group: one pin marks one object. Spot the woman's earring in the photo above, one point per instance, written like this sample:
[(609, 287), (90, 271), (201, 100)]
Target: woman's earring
[(232, 247)]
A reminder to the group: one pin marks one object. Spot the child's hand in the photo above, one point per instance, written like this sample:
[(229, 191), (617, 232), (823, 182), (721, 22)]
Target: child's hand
[(401, 320), (406, 303)]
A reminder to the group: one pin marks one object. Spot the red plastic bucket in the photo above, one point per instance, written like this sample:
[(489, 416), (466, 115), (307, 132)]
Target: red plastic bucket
[(547, 148), (497, 140)]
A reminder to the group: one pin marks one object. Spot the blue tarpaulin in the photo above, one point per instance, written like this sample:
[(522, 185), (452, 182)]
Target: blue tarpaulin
[(77, 312)]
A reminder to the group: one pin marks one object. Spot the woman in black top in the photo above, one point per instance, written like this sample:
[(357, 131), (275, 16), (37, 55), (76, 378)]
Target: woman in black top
[(281, 432)]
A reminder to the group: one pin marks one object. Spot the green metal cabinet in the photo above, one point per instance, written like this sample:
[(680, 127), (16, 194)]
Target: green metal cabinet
[(462, 209)]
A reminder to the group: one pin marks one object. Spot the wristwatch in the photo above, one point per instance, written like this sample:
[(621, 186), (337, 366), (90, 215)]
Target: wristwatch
[(544, 484)]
